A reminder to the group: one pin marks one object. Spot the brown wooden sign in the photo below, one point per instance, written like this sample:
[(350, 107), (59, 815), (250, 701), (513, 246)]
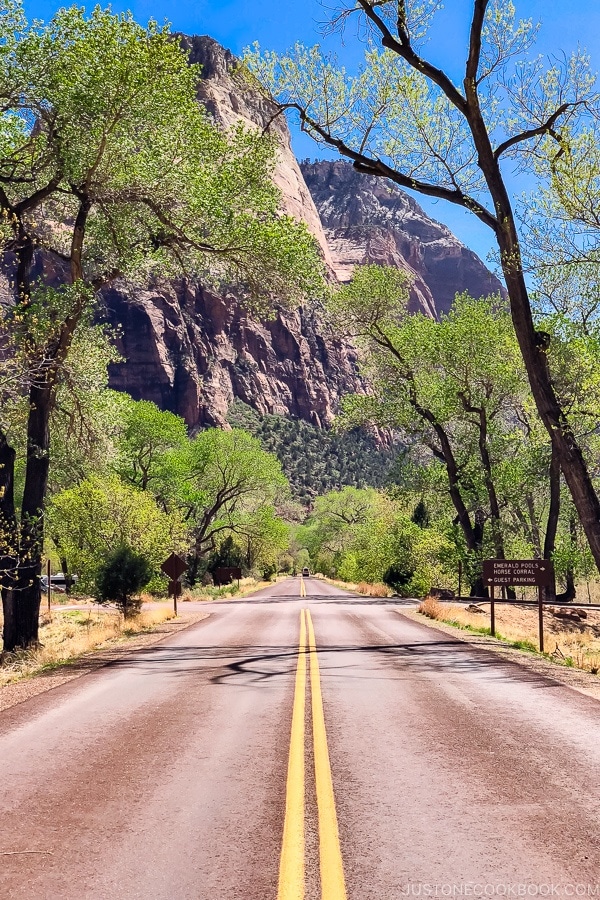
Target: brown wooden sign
[(174, 588), (174, 566), (518, 572), (226, 574)]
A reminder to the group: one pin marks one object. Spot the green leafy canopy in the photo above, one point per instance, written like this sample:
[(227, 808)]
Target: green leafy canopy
[(103, 112)]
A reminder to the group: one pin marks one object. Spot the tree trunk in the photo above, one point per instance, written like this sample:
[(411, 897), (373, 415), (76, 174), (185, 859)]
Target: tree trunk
[(21, 617), (486, 465), (473, 534), (68, 577), (533, 344), (478, 588), (501, 220), (535, 529), (549, 593), (496, 520), (569, 593), (570, 590), (21, 594), (193, 568), (22, 606), (9, 534), (9, 537), (564, 444)]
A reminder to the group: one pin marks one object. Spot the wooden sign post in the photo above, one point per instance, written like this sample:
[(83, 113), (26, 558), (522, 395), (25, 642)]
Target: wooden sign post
[(519, 572), (49, 587)]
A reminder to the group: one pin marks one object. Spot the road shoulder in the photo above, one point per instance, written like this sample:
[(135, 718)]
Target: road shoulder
[(584, 682), (25, 689)]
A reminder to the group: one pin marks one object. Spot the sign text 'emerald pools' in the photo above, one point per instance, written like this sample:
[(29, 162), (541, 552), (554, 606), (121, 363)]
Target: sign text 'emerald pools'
[(515, 572)]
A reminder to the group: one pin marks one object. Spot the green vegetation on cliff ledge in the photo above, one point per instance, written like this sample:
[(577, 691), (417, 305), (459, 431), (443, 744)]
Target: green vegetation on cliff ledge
[(314, 460)]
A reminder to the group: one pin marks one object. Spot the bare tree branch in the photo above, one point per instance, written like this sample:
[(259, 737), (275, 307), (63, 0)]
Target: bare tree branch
[(546, 127), (404, 48), (479, 9), (370, 166)]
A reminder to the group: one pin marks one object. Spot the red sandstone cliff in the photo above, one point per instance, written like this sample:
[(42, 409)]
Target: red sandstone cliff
[(368, 220), (193, 353)]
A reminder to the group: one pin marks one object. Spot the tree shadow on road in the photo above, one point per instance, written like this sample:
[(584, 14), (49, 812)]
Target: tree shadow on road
[(336, 600), (239, 665)]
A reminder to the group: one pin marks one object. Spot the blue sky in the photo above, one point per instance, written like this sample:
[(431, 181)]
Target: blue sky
[(277, 24)]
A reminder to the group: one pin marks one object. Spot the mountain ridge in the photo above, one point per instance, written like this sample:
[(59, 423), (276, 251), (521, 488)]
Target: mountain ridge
[(194, 353), (370, 220)]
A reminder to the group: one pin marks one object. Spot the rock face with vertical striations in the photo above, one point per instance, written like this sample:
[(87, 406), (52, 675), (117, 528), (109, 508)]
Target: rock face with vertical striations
[(194, 353), (229, 98)]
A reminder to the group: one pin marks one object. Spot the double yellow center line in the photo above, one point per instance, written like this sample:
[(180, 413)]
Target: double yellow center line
[(291, 867)]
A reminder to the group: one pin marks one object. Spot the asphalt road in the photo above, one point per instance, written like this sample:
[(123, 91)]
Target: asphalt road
[(209, 768)]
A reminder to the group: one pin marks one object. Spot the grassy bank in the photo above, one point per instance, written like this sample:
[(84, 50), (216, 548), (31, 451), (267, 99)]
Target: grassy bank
[(361, 587), (568, 641), (247, 586)]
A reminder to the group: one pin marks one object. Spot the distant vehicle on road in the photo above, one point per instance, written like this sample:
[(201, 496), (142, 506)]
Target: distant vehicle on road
[(58, 582), (306, 571)]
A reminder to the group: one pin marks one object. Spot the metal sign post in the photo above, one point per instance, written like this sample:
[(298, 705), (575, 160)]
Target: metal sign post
[(492, 611), (174, 567), (519, 573)]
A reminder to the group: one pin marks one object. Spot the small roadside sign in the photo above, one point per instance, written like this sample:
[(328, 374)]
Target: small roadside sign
[(518, 572), (227, 574), (174, 566)]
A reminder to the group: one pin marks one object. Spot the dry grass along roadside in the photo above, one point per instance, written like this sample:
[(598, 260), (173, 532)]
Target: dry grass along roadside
[(71, 633), (571, 637)]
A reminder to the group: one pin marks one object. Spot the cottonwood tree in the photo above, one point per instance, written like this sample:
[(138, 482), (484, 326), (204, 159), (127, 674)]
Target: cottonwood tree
[(405, 119), (88, 521), (399, 352), (109, 169), (226, 478), (145, 436), (376, 541), (335, 514), (85, 411), (219, 482), (456, 386), (222, 483), (263, 538)]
